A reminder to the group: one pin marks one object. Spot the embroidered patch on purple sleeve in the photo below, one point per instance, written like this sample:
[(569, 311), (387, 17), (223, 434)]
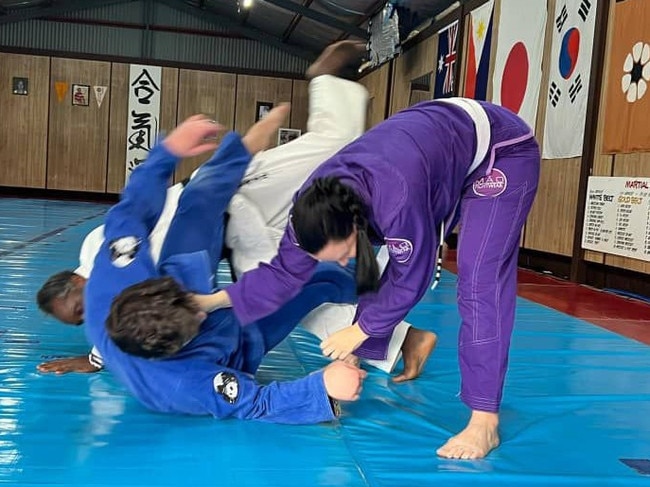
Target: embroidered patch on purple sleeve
[(399, 249)]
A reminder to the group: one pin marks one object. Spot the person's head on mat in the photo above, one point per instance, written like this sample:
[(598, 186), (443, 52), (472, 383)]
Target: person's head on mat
[(330, 222), (62, 296), (154, 319)]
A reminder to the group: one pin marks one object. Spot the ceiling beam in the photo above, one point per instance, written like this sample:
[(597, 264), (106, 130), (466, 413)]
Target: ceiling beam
[(319, 17), (59, 8), (375, 9), (294, 22), (234, 26)]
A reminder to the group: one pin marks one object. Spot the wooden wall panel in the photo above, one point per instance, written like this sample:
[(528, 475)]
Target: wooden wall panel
[(169, 101), (209, 93), (253, 89), (377, 85), (23, 129), (411, 65), (603, 163), (78, 135), (550, 224), (119, 92), (299, 105)]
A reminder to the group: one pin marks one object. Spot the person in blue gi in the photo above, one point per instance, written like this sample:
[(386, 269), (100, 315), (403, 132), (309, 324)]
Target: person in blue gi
[(406, 183), (205, 367)]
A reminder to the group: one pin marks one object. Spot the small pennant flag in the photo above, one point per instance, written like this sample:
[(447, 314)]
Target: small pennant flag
[(100, 93), (61, 88)]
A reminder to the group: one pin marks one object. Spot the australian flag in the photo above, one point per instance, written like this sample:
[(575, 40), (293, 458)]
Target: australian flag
[(447, 61)]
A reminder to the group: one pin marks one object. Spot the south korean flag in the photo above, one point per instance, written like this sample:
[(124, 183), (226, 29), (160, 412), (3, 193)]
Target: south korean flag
[(571, 52)]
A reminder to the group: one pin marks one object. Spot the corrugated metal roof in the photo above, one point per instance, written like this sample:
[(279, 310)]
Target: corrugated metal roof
[(269, 18), (242, 54), (64, 37), (300, 28)]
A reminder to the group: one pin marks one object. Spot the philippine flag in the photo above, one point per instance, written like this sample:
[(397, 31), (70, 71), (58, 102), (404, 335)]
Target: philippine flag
[(478, 52)]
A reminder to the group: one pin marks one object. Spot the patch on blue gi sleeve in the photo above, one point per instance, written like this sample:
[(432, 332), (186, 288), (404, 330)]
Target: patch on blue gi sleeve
[(226, 384), (123, 250)]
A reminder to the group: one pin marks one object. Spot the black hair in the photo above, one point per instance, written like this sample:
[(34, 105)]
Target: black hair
[(328, 210), (57, 286), (153, 319)]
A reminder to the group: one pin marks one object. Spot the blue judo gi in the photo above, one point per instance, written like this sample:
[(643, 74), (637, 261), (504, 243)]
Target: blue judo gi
[(213, 374)]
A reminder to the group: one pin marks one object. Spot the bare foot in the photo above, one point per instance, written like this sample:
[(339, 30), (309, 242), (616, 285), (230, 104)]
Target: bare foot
[(416, 349), (479, 438), (335, 57), (262, 135)]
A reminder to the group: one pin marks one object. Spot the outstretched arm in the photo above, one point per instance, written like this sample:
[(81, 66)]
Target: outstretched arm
[(411, 247), (264, 290), (143, 198)]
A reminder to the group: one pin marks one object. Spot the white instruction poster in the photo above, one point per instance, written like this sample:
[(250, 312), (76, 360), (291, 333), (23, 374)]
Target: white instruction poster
[(617, 217)]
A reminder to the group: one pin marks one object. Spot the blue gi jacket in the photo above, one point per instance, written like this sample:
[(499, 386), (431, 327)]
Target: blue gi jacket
[(213, 373)]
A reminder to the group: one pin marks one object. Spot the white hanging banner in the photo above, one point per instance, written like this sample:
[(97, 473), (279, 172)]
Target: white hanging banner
[(145, 83)]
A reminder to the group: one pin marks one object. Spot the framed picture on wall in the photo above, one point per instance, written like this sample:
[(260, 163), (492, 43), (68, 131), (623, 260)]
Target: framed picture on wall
[(262, 109), (80, 95), (20, 86), (287, 135)]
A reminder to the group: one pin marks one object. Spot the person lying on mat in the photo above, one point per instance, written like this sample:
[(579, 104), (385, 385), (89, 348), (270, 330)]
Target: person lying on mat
[(61, 296), (405, 183), (170, 355), (257, 216)]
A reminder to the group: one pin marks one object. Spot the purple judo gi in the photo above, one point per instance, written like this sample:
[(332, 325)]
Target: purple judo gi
[(428, 166)]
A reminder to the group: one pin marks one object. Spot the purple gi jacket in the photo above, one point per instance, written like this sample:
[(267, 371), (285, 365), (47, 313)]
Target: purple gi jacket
[(410, 171)]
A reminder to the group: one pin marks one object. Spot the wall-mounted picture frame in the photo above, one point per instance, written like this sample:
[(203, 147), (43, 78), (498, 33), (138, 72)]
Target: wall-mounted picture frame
[(287, 135), (20, 86), (80, 95), (262, 108)]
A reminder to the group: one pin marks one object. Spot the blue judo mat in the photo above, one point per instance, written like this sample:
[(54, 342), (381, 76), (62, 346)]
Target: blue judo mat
[(577, 400)]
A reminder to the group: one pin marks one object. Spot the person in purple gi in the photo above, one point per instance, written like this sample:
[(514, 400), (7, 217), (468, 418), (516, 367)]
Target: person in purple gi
[(406, 183)]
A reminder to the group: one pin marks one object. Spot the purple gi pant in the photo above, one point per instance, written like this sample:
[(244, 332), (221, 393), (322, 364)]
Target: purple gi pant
[(493, 209)]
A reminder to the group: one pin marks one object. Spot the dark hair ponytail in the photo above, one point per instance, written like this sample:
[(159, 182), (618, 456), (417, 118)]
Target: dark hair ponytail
[(329, 210)]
